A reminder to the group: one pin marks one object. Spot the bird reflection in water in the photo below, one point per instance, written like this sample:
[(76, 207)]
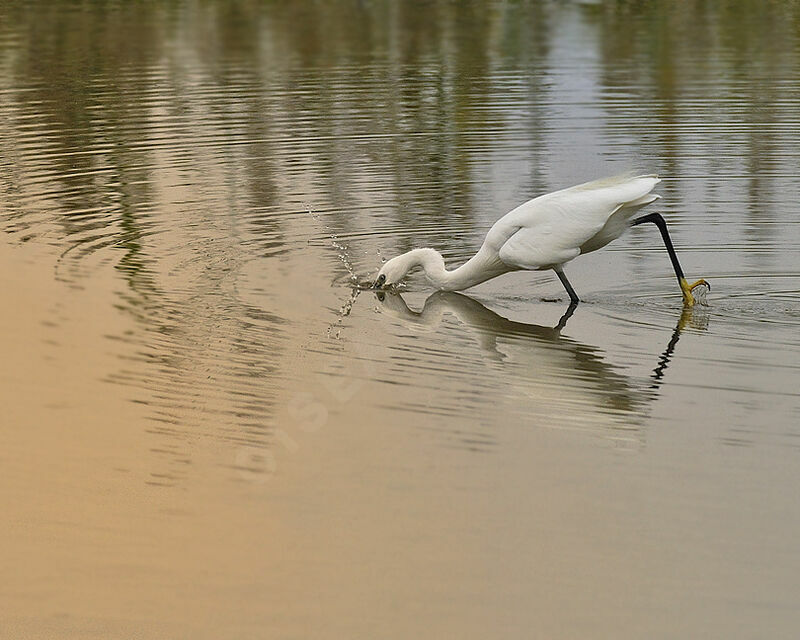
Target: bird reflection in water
[(570, 381)]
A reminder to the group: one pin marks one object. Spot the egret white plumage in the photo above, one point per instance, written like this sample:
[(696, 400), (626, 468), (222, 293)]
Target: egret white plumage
[(546, 233)]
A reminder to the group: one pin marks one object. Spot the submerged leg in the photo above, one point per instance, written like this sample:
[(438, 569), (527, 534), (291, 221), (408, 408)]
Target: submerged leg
[(572, 295), (567, 315), (658, 220)]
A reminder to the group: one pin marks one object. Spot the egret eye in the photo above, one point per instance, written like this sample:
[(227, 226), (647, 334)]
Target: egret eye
[(381, 279)]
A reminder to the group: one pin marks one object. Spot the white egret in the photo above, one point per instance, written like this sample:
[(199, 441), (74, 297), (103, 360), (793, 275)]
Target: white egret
[(546, 233)]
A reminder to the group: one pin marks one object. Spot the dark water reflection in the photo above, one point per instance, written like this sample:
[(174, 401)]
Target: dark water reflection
[(551, 362), (193, 185)]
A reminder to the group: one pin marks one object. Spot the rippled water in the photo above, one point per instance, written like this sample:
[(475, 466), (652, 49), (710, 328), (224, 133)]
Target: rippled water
[(210, 431)]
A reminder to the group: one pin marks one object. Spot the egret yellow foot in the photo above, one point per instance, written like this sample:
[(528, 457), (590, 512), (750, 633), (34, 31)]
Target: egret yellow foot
[(686, 288)]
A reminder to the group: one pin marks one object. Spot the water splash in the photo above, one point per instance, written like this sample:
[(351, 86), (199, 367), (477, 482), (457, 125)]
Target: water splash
[(700, 293), (342, 249), (334, 330), (356, 284)]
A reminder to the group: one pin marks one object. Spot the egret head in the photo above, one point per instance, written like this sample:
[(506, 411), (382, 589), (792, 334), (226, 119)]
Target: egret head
[(393, 272)]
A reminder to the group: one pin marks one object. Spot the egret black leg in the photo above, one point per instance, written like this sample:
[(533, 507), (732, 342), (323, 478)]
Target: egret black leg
[(658, 220), (572, 295)]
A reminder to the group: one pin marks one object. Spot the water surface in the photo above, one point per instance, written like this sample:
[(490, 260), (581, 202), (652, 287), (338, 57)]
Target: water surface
[(210, 433)]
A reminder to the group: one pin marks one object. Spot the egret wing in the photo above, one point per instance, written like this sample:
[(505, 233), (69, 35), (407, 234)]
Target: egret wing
[(550, 230)]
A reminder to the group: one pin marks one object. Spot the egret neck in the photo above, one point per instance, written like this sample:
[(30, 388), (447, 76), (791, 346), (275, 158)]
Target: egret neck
[(483, 266)]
